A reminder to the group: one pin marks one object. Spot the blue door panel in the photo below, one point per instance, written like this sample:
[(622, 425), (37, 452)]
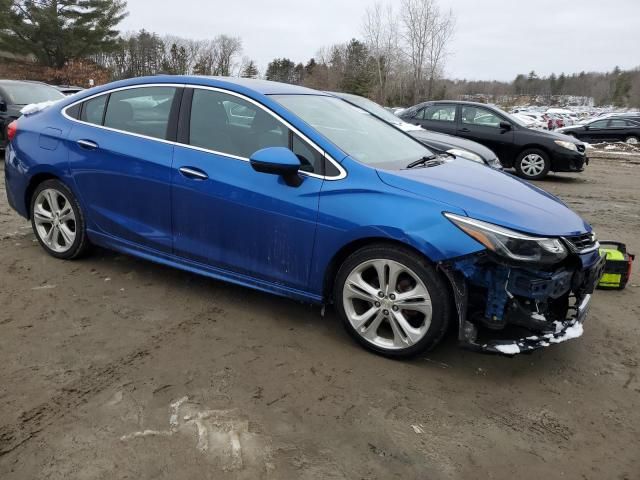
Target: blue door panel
[(248, 222), (125, 184)]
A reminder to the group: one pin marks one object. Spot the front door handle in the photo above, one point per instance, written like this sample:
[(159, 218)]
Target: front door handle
[(465, 130), (87, 144), (193, 173)]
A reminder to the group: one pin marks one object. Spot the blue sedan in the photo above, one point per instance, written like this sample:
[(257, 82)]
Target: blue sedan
[(295, 192)]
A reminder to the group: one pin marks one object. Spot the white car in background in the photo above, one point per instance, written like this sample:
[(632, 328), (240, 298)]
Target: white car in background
[(529, 121), (539, 118)]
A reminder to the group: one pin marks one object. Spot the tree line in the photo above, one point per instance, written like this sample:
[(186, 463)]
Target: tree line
[(399, 58)]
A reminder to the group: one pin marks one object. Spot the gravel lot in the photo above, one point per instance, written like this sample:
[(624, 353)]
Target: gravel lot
[(114, 367)]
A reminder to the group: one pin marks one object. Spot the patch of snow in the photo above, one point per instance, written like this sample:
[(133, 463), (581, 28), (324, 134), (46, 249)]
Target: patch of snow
[(539, 317), (37, 107), (574, 331), (511, 349)]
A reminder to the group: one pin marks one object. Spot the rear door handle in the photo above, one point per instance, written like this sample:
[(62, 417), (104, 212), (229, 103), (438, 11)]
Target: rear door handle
[(87, 144), (193, 173)]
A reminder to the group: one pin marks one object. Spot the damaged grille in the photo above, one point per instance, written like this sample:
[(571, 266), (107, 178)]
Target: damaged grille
[(582, 243)]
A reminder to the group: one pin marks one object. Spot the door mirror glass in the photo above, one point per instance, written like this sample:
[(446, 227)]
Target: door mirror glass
[(505, 125), (278, 161)]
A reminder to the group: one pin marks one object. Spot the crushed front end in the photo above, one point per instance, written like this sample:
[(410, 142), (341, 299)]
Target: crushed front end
[(509, 306)]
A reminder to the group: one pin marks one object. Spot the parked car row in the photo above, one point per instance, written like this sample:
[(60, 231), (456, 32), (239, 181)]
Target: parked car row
[(533, 153), (299, 193), (609, 129)]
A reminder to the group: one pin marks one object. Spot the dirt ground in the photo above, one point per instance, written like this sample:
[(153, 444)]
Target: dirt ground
[(112, 367)]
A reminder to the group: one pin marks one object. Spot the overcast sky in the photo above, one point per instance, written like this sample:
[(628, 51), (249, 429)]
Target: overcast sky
[(494, 39)]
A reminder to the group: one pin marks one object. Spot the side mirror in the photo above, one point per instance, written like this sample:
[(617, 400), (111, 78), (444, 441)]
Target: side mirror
[(505, 125), (587, 127), (3, 105), (278, 161)]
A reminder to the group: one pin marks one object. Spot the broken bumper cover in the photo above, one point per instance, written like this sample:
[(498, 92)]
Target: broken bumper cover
[(566, 330), (508, 310)]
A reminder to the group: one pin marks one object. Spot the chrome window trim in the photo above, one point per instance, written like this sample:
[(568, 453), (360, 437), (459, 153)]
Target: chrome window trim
[(340, 176)]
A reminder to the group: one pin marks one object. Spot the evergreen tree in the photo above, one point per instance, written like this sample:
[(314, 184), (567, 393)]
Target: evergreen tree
[(56, 31), (357, 69), (250, 70), (281, 70)]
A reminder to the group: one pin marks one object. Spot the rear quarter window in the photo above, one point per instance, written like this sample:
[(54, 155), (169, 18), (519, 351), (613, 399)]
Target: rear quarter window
[(143, 110)]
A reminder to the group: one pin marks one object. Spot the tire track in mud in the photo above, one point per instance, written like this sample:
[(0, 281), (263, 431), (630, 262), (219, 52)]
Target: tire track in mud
[(93, 381)]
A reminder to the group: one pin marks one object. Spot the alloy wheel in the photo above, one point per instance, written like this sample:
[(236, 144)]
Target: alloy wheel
[(532, 165), (387, 304), (55, 220), (633, 140)]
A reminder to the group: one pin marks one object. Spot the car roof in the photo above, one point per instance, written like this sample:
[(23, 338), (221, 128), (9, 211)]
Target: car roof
[(248, 86), (454, 102), (265, 87), (21, 82)]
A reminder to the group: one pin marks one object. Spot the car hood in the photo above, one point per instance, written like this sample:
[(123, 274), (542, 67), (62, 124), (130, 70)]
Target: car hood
[(553, 135), (445, 142), (490, 195)]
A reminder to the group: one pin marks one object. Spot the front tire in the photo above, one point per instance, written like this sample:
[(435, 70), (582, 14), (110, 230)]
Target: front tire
[(392, 301), (57, 220), (533, 164), (632, 140)]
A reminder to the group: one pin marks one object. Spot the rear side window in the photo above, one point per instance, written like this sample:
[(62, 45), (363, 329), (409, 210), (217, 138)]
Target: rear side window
[(144, 110), (598, 124), (93, 110), (441, 113)]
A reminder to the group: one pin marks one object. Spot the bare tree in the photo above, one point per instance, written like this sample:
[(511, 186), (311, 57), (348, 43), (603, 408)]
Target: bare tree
[(228, 48), (440, 36), (426, 33), (418, 21), (380, 31)]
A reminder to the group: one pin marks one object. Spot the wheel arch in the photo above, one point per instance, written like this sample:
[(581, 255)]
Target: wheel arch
[(534, 146), (346, 250), (36, 180)]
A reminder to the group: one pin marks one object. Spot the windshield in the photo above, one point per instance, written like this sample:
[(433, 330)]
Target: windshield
[(356, 132), (26, 93), (371, 107)]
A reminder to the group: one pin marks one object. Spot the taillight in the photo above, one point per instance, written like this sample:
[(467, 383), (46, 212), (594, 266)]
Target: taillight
[(12, 129)]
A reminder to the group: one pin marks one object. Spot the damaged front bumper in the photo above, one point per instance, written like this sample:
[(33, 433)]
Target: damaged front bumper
[(510, 309)]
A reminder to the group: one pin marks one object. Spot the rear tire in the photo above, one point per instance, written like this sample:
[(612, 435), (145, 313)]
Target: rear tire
[(533, 164), (404, 314), (57, 220)]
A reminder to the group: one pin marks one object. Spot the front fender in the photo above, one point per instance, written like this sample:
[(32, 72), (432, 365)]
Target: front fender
[(361, 207)]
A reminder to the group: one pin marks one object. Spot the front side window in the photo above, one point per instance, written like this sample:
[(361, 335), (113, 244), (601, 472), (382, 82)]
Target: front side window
[(230, 125), (618, 123), (310, 159), (144, 110), (440, 113), (356, 132), (480, 116), (93, 110)]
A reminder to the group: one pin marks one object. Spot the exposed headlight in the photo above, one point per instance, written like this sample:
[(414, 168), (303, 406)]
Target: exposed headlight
[(567, 145), (458, 152), (510, 244)]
